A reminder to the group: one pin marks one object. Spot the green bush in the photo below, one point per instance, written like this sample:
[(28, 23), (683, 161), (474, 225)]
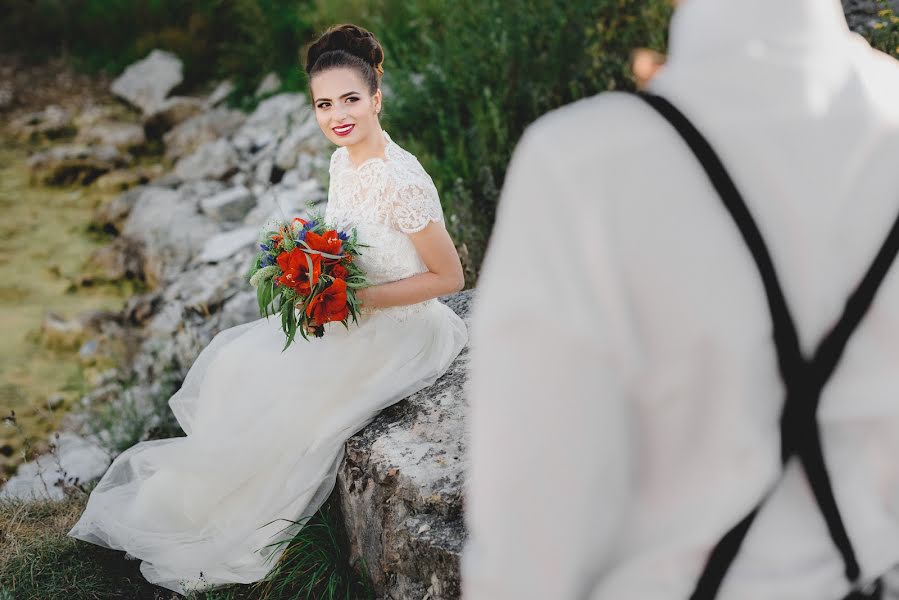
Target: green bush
[(885, 34), (465, 78), (241, 39)]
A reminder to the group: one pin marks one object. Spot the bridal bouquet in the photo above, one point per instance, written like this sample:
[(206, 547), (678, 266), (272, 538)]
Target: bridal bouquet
[(305, 273)]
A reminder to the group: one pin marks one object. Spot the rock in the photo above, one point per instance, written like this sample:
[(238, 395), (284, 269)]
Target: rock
[(169, 230), (241, 308), (7, 95), (270, 84), (196, 131), (122, 179), (56, 401), (220, 93), (271, 121), (227, 244), (281, 202), (205, 288), (401, 488), (51, 123), (313, 165), (125, 136), (118, 260), (70, 163), (212, 160), (169, 113), (264, 169), (146, 83), (230, 205), (111, 215), (73, 461), (93, 114), (58, 333), (306, 137)]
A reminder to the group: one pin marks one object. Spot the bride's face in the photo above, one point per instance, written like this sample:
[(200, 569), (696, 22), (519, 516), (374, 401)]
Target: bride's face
[(347, 113)]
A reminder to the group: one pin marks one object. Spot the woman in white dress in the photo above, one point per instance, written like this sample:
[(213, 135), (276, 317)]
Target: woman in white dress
[(265, 428)]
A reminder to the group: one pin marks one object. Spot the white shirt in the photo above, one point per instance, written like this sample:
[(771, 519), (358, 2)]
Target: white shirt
[(624, 388)]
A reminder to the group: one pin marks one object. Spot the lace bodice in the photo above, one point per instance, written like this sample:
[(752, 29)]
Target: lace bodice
[(384, 199)]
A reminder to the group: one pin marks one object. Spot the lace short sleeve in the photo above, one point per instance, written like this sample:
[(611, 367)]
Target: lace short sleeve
[(416, 205)]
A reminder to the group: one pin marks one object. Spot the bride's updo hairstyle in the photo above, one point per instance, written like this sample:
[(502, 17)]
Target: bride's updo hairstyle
[(347, 46)]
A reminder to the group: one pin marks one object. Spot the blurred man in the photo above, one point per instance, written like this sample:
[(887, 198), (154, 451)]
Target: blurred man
[(626, 388)]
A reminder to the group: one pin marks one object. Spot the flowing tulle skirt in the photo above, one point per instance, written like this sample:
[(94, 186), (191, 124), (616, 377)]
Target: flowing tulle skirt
[(265, 433)]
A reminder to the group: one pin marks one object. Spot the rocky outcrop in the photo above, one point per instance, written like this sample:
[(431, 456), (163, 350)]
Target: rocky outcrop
[(146, 83), (72, 163), (401, 488)]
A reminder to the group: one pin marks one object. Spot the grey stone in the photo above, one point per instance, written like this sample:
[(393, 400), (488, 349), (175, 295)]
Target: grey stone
[(227, 244), (305, 137), (271, 121), (212, 160), (200, 129), (169, 230), (282, 202), (220, 93), (75, 460), (401, 487), (270, 84), (70, 163), (51, 122), (169, 113), (146, 83), (125, 136), (231, 205)]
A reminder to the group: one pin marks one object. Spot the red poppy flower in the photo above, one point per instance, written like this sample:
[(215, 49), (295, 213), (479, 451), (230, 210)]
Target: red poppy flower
[(330, 304), (299, 220), (339, 272), (326, 242), (295, 265)]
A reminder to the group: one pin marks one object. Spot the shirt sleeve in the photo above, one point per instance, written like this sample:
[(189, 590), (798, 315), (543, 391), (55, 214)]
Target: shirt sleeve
[(416, 204), (550, 445)]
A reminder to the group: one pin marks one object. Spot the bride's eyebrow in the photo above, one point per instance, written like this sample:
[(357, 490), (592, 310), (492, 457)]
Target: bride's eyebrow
[(341, 98)]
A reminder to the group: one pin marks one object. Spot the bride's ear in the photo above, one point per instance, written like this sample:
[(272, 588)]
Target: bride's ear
[(376, 101)]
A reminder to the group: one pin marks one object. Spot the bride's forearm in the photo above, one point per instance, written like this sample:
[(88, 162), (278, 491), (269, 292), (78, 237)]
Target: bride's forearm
[(417, 288)]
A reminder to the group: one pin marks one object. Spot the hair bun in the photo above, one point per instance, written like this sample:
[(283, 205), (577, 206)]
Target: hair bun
[(351, 39)]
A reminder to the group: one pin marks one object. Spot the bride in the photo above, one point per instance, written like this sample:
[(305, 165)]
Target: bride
[(265, 429)]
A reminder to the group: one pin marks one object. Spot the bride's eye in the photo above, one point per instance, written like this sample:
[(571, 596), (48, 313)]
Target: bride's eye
[(352, 98), (323, 105)]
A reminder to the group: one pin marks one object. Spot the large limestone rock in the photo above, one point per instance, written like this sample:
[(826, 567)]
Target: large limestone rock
[(75, 163), (73, 461), (212, 160), (271, 121), (52, 122), (169, 113), (125, 136), (169, 230), (146, 83), (196, 131), (401, 488), (231, 205)]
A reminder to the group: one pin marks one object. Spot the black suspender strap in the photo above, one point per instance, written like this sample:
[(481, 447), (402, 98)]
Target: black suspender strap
[(804, 379)]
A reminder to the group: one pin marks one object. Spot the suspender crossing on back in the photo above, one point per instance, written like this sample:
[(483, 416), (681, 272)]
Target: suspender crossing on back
[(804, 379)]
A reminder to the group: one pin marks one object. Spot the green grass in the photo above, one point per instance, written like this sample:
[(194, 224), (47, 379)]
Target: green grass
[(39, 562)]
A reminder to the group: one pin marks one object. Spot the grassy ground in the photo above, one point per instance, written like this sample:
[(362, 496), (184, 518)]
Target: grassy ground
[(39, 562)]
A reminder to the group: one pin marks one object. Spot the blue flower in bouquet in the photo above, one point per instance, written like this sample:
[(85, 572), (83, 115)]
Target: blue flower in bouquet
[(342, 236), (264, 247), (301, 236), (310, 225)]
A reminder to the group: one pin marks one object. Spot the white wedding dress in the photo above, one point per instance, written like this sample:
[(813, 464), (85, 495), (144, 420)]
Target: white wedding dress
[(265, 428)]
